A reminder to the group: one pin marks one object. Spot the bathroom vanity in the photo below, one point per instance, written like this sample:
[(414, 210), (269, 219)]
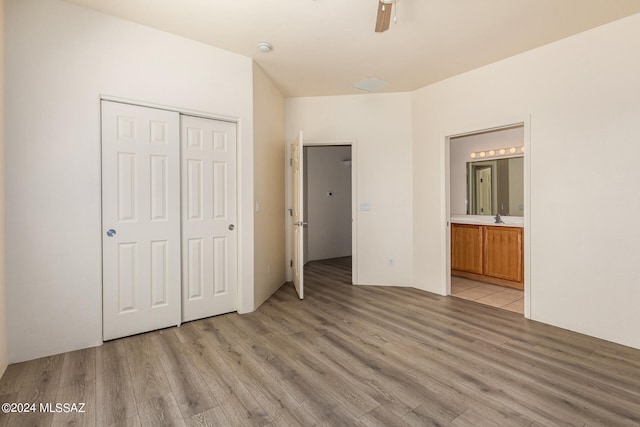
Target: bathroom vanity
[(490, 253)]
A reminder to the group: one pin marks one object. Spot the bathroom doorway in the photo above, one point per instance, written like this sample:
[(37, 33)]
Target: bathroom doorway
[(487, 207)]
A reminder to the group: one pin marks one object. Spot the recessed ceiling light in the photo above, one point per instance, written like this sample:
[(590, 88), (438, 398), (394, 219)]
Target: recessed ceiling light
[(265, 47)]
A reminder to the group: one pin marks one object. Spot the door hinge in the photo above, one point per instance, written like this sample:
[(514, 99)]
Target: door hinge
[(291, 263), (290, 212), (290, 161)]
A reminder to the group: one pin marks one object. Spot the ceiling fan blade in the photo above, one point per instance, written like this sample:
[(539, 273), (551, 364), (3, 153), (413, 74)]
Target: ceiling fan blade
[(384, 17)]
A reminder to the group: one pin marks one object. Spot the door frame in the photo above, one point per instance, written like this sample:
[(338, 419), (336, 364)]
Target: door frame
[(445, 159), (243, 291), (354, 201)]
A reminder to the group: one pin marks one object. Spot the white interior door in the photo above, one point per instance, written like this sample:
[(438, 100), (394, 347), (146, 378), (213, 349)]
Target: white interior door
[(140, 219), (209, 212), (297, 174), (484, 187)]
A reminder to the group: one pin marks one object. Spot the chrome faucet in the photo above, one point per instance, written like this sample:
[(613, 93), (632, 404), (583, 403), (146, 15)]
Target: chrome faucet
[(498, 219)]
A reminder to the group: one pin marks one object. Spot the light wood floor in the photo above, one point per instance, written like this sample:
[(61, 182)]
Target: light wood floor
[(346, 355), (484, 293)]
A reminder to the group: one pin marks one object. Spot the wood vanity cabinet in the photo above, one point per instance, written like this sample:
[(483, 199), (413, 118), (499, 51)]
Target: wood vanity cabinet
[(503, 257), (466, 248), (491, 254)]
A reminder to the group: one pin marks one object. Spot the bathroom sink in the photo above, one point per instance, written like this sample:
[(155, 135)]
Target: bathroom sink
[(508, 221)]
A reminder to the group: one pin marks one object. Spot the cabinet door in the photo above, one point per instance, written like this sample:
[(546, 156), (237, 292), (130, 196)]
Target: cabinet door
[(503, 253), (466, 248)]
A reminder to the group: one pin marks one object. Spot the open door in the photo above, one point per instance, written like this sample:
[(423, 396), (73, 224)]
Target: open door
[(298, 217), (484, 190)]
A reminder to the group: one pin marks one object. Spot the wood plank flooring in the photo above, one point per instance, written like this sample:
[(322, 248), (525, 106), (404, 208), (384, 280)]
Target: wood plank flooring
[(346, 355)]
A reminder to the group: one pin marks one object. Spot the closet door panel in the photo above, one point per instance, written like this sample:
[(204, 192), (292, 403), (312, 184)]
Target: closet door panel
[(140, 218), (209, 215)]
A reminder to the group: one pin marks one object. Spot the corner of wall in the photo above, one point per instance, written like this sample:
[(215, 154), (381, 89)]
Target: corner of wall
[(269, 186), (3, 322)]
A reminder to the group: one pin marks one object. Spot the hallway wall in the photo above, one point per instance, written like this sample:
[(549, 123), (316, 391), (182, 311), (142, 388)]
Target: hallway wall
[(380, 126)]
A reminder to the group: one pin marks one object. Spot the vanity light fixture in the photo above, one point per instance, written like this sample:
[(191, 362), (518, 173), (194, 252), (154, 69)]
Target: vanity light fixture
[(497, 151)]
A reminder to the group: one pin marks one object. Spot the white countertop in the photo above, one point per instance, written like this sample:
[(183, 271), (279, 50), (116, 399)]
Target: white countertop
[(509, 221)]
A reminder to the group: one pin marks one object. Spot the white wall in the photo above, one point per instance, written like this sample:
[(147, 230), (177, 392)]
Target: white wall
[(4, 357), (59, 59), (460, 151), (582, 94), (268, 128), (328, 217), (381, 126)]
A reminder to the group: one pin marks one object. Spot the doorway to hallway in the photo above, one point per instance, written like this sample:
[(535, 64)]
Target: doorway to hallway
[(327, 202)]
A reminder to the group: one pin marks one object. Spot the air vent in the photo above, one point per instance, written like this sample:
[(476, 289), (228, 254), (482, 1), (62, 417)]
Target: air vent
[(370, 85)]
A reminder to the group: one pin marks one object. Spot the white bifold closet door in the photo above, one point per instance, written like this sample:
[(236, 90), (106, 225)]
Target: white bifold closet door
[(169, 215), (209, 210), (140, 219)]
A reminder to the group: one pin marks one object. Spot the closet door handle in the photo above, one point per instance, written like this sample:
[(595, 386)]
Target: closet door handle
[(231, 227)]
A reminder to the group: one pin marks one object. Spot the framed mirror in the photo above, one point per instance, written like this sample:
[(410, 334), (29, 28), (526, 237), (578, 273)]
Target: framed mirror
[(496, 187)]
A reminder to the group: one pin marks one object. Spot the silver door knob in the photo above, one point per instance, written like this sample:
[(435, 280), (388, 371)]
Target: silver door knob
[(231, 227), (111, 232)]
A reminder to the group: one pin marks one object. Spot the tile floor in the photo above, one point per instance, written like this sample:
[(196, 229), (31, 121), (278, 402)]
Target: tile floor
[(484, 293)]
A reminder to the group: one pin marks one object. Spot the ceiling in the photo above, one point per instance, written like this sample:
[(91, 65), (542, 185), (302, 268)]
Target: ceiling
[(322, 47)]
